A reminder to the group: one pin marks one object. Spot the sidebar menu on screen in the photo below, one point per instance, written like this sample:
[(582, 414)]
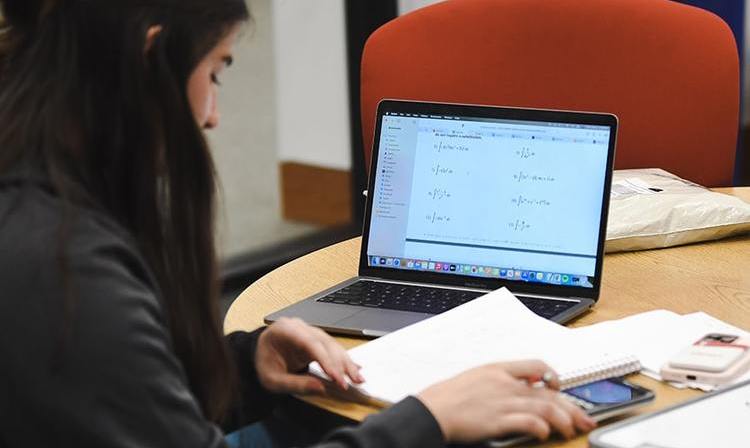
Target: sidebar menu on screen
[(395, 165)]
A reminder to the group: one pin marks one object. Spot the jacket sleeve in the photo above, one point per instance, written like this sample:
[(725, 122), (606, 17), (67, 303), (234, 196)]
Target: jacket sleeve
[(254, 402), (406, 424)]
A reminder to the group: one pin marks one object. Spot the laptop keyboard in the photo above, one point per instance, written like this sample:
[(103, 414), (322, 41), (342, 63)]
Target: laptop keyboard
[(422, 299)]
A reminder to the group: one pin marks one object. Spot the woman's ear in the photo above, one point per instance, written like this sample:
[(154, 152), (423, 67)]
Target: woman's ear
[(151, 35)]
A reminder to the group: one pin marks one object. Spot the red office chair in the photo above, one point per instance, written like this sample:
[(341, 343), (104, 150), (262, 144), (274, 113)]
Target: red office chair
[(670, 72)]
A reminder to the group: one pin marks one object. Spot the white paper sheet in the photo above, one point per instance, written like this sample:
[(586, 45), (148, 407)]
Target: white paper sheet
[(655, 337), (498, 327), (492, 328)]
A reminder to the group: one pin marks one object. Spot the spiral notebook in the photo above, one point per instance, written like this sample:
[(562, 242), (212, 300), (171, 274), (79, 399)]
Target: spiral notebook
[(495, 327)]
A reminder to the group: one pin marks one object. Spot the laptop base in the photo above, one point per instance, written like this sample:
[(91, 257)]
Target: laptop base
[(375, 321)]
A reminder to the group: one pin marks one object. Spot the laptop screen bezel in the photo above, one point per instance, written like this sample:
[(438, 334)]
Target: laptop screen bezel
[(500, 113)]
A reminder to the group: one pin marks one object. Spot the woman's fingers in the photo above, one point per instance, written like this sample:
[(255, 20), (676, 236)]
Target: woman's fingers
[(544, 407), (298, 344), (334, 360), (581, 420), (299, 384), (553, 413), (348, 367), (339, 365), (354, 370), (532, 371), (524, 423), (578, 418), (318, 351)]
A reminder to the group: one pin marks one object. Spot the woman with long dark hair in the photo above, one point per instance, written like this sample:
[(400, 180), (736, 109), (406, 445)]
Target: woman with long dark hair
[(109, 325)]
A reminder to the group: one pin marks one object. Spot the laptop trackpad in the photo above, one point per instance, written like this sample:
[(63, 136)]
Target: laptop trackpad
[(381, 320)]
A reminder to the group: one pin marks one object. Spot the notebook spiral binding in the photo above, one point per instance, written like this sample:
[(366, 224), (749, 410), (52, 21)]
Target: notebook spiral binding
[(601, 371)]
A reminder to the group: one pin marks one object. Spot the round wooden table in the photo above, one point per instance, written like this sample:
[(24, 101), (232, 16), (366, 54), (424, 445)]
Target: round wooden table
[(713, 277)]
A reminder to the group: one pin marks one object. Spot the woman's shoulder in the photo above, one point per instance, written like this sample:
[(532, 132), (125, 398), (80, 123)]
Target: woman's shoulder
[(86, 339), (53, 253), (70, 267), (40, 232)]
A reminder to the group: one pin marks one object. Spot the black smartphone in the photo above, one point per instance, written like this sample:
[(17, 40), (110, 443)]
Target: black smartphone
[(608, 398), (601, 400)]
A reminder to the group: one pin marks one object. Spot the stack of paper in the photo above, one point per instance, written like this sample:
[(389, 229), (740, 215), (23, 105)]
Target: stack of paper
[(498, 327), (492, 328), (655, 337)]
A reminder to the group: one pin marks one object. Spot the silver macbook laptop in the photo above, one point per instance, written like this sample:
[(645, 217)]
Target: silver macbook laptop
[(466, 199)]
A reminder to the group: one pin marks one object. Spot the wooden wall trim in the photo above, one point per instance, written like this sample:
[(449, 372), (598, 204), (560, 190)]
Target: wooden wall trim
[(316, 195)]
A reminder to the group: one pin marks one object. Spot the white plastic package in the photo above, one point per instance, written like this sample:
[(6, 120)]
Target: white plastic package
[(652, 208)]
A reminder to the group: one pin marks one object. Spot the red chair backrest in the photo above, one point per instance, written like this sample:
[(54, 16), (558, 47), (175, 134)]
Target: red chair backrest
[(670, 72)]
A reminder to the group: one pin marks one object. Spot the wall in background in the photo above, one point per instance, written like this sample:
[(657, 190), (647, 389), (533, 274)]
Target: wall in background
[(245, 145), (312, 111), (282, 150), (405, 6), (312, 100)]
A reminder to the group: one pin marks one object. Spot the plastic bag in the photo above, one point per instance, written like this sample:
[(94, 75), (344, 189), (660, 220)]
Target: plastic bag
[(652, 208)]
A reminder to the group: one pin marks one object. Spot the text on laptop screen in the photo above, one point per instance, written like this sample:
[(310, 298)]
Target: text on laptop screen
[(520, 200)]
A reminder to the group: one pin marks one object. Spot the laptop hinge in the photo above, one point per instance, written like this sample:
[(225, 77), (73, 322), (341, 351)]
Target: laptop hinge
[(429, 285), (546, 296)]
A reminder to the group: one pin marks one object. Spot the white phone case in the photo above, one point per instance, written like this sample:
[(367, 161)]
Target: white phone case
[(714, 365)]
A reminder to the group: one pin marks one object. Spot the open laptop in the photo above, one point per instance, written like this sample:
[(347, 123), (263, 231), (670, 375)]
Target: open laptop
[(466, 199)]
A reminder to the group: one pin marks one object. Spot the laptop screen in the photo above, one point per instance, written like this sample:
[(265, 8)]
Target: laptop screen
[(488, 197)]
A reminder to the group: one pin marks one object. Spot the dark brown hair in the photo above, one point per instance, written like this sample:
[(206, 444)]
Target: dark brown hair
[(111, 126)]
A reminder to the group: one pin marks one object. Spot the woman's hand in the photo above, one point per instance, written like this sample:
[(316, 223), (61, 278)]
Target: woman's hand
[(288, 346), (497, 399)]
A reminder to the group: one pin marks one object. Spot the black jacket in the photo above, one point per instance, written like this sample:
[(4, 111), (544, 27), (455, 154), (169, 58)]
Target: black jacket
[(113, 380)]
